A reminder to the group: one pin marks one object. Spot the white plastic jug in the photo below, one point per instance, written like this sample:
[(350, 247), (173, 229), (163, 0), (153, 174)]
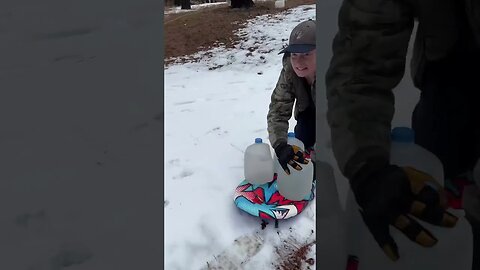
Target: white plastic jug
[(292, 140), (327, 199), (476, 173), (298, 184), (454, 248), (471, 196), (330, 220), (404, 152), (258, 163)]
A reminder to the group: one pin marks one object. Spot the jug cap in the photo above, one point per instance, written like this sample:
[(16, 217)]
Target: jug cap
[(291, 134), (258, 140), (403, 134)]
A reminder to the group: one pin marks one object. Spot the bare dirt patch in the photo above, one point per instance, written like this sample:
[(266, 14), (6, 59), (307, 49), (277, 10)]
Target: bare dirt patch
[(293, 255)]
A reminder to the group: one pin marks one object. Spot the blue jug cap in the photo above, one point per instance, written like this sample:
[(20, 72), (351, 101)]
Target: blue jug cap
[(403, 134), (258, 140), (291, 134)]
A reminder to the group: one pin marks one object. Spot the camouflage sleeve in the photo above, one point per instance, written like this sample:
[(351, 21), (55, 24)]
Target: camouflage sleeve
[(280, 109), (368, 61)]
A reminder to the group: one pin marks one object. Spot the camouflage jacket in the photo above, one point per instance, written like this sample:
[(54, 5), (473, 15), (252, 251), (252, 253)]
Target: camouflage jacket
[(290, 89), (368, 61)]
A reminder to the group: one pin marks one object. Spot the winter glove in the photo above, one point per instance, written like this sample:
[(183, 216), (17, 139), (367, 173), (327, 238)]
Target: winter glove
[(389, 194), (290, 154)]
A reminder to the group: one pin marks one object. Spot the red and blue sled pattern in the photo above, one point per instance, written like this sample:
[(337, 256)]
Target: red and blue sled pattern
[(266, 202)]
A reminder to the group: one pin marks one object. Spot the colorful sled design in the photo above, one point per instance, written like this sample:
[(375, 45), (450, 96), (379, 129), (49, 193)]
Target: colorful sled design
[(266, 202)]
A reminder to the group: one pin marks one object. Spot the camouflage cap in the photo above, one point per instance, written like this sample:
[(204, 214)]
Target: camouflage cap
[(302, 39)]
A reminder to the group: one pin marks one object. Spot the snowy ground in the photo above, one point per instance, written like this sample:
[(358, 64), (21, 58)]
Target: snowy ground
[(174, 10), (214, 109)]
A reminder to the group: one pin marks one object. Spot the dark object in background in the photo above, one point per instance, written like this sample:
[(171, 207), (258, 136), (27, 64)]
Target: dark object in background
[(242, 4), (186, 4)]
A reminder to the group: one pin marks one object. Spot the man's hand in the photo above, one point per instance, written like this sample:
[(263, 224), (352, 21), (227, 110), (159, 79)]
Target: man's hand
[(290, 154), (390, 195)]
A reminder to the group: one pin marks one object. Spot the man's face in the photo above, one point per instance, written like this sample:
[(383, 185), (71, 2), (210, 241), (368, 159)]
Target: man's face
[(304, 64)]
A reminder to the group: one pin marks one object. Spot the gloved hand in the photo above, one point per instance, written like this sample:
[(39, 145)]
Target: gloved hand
[(389, 194), (290, 154)]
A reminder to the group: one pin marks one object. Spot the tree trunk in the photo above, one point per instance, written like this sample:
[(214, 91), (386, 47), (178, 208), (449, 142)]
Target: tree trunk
[(186, 4), (242, 3)]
